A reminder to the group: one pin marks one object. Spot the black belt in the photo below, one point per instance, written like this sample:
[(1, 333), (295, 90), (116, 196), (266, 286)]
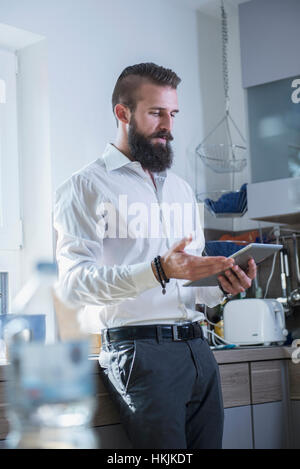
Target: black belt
[(178, 333)]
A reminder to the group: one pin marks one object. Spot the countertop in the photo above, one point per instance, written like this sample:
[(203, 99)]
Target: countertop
[(255, 353), (235, 355), (246, 354)]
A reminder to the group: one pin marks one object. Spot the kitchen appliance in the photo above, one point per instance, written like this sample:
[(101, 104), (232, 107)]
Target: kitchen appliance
[(254, 322)]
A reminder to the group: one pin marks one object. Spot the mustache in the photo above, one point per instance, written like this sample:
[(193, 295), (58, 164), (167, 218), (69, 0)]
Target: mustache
[(163, 134)]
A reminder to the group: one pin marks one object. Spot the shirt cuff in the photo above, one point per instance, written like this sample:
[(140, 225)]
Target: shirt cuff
[(211, 296), (143, 276), (222, 295)]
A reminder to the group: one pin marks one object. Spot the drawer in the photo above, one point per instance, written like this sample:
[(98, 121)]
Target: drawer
[(2, 393), (4, 426), (235, 384), (266, 383), (294, 380)]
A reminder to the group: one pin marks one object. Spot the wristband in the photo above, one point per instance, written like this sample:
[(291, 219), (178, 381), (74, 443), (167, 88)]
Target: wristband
[(160, 274), (165, 278)]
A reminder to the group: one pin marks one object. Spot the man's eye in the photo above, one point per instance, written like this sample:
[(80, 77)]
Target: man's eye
[(154, 113)]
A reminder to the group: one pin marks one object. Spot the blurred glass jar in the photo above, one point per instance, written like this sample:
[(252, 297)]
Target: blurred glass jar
[(50, 392)]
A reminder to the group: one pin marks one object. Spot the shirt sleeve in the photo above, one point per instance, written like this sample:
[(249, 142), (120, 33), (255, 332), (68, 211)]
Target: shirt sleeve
[(83, 279)]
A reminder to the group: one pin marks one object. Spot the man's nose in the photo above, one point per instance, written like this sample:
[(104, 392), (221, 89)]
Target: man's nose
[(166, 123)]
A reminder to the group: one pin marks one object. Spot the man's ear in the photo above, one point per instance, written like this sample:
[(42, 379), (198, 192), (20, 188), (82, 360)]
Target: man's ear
[(122, 113)]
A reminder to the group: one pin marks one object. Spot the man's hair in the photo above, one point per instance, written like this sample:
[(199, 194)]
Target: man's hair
[(133, 76)]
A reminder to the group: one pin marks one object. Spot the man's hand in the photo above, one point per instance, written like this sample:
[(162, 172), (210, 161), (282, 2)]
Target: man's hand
[(176, 263), (236, 280)]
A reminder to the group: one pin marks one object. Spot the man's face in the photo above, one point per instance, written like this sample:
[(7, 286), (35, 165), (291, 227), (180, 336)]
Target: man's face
[(150, 127)]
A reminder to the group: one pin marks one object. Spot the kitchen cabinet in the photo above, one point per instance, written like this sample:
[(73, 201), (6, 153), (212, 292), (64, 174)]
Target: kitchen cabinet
[(268, 32), (269, 38), (269, 426), (271, 406), (238, 428), (257, 401), (235, 384), (281, 205), (294, 374)]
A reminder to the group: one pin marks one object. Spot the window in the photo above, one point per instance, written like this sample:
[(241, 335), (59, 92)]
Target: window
[(10, 225), (2, 102), (2, 92)]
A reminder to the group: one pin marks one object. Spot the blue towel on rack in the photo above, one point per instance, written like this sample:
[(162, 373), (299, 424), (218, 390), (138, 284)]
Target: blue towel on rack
[(232, 202)]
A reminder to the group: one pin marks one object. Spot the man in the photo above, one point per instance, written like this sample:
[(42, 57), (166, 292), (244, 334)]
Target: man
[(112, 223)]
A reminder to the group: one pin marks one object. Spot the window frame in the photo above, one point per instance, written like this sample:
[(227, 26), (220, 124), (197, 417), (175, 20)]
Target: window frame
[(10, 220)]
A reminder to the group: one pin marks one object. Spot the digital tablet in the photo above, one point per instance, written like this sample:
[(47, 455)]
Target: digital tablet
[(257, 251)]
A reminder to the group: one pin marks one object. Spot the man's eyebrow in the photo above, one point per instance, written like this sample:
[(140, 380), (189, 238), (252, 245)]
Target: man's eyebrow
[(162, 108)]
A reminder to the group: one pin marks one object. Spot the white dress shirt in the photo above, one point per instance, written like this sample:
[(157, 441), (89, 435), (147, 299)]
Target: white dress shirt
[(111, 221)]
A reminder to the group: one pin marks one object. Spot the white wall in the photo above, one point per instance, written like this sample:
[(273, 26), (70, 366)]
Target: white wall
[(89, 43)]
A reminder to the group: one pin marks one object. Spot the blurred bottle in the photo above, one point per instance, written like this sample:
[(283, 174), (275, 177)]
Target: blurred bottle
[(50, 384), (36, 298), (51, 396)]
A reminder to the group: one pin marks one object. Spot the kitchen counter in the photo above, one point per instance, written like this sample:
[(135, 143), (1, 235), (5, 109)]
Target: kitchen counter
[(244, 354), (254, 353)]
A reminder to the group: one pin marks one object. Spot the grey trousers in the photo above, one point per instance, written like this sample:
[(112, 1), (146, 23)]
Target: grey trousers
[(168, 393)]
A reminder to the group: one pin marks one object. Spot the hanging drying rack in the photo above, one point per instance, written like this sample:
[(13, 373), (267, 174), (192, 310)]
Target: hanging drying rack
[(226, 157)]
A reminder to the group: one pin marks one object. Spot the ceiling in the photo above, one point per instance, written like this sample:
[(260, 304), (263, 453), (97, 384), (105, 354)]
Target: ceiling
[(13, 39)]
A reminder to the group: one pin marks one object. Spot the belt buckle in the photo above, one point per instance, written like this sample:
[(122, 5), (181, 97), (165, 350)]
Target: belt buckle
[(176, 338)]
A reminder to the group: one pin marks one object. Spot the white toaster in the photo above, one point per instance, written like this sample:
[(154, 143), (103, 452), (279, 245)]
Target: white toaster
[(254, 322)]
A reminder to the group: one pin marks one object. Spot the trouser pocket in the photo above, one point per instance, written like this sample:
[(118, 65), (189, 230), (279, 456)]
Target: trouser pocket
[(118, 361)]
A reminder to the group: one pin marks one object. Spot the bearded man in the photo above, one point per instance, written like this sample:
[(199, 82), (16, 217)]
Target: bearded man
[(127, 267)]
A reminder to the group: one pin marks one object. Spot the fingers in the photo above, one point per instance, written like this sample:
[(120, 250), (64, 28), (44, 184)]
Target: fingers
[(236, 280), (233, 282), (180, 246), (226, 285), (252, 269), (206, 266), (230, 283)]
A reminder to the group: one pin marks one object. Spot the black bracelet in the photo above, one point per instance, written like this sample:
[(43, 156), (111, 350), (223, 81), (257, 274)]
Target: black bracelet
[(161, 281), (162, 270)]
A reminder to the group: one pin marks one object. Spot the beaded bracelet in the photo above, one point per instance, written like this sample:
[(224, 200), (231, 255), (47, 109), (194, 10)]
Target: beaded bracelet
[(165, 278), (161, 274)]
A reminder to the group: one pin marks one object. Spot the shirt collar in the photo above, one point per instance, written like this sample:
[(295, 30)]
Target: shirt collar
[(115, 159)]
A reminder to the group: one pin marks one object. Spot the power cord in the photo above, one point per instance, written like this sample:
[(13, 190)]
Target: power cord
[(213, 333), (271, 274), (220, 338)]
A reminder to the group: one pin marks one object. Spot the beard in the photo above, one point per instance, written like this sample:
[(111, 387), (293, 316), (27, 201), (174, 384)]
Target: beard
[(153, 157)]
